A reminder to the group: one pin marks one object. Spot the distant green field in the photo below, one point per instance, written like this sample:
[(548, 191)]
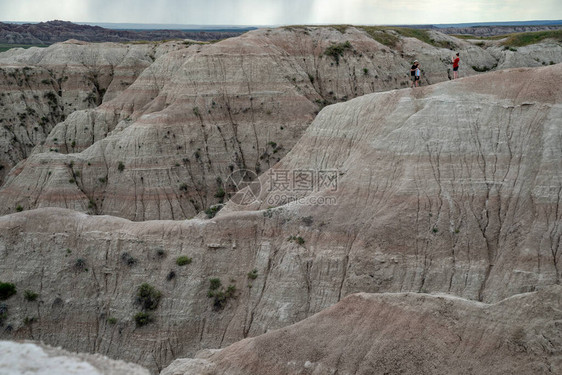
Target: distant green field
[(524, 39), (5, 47)]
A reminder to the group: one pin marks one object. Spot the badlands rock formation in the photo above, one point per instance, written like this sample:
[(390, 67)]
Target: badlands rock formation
[(402, 333), (163, 147), (40, 87), (35, 359), (451, 188)]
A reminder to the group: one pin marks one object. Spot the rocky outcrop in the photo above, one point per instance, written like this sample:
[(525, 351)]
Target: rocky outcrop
[(163, 148), (402, 333), (59, 31), (31, 358), (42, 87), (497, 30), (452, 188)]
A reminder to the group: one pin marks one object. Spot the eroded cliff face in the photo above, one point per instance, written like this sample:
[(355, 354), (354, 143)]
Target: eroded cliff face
[(402, 333), (40, 87), (164, 146), (451, 188)]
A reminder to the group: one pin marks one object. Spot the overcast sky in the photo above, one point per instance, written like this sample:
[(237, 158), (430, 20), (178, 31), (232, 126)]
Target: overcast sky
[(279, 12)]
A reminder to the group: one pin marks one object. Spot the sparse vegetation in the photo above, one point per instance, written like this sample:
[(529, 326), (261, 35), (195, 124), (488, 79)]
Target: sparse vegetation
[(212, 211), (253, 274), (128, 259), (121, 166), (80, 265), (337, 50), (171, 275), (143, 318), (298, 239), (525, 39), (30, 296), (7, 290), (219, 294), (112, 320), (19, 208), (148, 297), (183, 260)]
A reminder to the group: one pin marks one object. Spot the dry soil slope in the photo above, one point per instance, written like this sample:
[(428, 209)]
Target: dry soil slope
[(197, 114), (40, 87), (452, 188), (402, 333)]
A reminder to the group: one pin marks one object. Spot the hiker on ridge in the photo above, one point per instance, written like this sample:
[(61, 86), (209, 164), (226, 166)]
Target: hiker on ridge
[(415, 73), (455, 60)]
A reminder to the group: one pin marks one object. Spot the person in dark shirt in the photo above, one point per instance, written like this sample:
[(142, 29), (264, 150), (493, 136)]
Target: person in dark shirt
[(415, 73), (455, 60)]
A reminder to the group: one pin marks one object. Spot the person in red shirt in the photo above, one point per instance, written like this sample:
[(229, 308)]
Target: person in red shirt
[(455, 61)]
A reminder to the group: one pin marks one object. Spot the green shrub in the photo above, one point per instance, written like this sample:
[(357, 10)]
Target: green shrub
[(7, 290), (211, 212), (112, 320), (80, 264), (253, 274), (19, 208), (220, 295), (220, 193), (215, 284), (148, 296), (143, 318), (337, 50), (128, 259), (30, 295), (121, 166), (298, 239), (183, 260)]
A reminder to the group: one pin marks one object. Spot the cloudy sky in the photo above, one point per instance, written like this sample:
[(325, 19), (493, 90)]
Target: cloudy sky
[(278, 12)]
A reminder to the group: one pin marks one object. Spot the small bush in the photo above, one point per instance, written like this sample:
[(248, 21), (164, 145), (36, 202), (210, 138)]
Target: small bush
[(253, 274), (211, 212), (19, 208), (161, 253), (7, 290), (112, 320), (215, 284), (183, 260), (128, 259), (298, 239), (121, 167), (171, 275), (220, 295), (148, 296), (30, 296), (337, 50), (80, 264), (143, 318), (220, 193)]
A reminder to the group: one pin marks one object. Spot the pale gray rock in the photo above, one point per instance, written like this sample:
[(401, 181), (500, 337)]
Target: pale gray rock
[(452, 188), (30, 358), (196, 114)]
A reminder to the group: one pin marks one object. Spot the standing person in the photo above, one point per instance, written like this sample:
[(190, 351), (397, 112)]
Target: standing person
[(413, 70), (455, 60)]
